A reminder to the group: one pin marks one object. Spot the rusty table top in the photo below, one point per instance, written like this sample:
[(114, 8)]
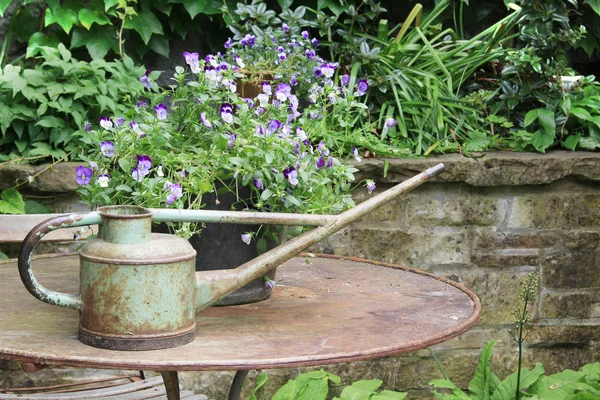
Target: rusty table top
[(327, 311)]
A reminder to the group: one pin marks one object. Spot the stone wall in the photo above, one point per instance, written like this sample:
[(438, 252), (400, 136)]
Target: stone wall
[(485, 223)]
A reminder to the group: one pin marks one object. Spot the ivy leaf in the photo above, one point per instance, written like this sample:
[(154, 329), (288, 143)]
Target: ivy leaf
[(11, 202), (145, 23), (98, 41), (195, 7), (542, 139), (546, 118), (18, 84), (160, 45), (65, 17), (89, 17), (33, 207), (39, 40), (531, 116), (571, 142), (108, 4), (3, 5), (595, 4)]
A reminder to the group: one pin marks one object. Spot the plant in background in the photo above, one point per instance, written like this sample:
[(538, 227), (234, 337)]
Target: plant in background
[(102, 27), (314, 385), (41, 108), (210, 139)]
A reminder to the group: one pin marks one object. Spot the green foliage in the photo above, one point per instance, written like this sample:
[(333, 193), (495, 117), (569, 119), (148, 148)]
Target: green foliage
[(314, 385), (41, 108), (11, 202), (103, 27)]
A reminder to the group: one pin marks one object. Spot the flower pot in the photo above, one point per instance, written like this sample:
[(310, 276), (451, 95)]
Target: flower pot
[(220, 246), (251, 86)]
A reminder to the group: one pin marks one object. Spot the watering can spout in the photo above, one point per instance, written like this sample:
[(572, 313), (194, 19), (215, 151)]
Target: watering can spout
[(211, 286)]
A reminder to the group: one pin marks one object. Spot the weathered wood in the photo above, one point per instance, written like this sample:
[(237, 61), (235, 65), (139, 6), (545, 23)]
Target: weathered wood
[(14, 228)]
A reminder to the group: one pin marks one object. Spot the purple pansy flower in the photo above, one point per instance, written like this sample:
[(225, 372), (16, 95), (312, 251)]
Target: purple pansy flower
[(323, 150), (390, 122), (328, 69), (273, 126), (175, 193), (260, 130), (119, 121), (190, 58), (283, 91), (320, 163), (227, 112), (282, 56), (83, 175), (107, 149), (355, 154), (318, 72), (246, 238), (304, 35), (140, 105), (310, 54), (362, 87), (231, 141), (93, 165), (228, 43), (145, 79), (106, 123), (315, 42), (370, 186), (136, 128), (330, 162), (293, 81), (345, 79), (161, 111), (248, 40), (301, 134), (286, 27), (291, 175), (238, 60), (143, 168), (269, 284), (87, 126), (266, 87), (204, 120), (182, 174), (258, 183)]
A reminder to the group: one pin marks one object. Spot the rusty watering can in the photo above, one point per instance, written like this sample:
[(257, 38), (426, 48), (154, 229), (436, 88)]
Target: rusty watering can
[(140, 291)]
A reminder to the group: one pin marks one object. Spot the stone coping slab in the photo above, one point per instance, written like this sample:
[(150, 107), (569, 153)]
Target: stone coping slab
[(502, 168)]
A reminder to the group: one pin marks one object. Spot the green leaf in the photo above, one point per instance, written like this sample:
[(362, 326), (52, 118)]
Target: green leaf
[(39, 40), (65, 17), (64, 53), (125, 166), (541, 140), (571, 142), (285, 3), (261, 246), (530, 117), (11, 202), (18, 84), (595, 4), (261, 379), (160, 45), (3, 5), (286, 392), (89, 17), (546, 118), (98, 41), (33, 207), (334, 6), (389, 395), (51, 122), (123, 188), (507, 389), (108, 4), (145, 23), (266, 194), (479, 386), (3, 256), (581, 113)]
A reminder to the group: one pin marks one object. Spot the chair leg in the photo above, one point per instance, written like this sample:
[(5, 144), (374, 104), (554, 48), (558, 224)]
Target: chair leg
[(236, 385), (171, 384)]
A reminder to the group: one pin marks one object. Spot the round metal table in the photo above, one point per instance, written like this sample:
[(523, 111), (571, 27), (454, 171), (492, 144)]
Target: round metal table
[(324, 310)]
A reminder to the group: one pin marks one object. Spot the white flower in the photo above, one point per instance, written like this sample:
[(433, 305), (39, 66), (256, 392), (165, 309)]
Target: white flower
[(246, 238)]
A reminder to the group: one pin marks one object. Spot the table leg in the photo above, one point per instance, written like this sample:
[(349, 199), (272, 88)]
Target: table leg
[(171, 384), (236, 385)]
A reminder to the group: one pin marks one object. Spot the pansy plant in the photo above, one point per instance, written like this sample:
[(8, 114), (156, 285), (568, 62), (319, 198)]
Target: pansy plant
[(168, 154)]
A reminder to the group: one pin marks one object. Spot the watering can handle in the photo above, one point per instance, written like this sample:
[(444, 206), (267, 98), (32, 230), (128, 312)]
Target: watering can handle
[(29, 244)]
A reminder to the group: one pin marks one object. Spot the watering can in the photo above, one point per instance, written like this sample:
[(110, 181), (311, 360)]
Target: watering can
[(140, 291)]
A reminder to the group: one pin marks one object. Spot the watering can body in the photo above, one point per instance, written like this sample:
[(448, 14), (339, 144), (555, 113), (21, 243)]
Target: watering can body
[(140, 291)]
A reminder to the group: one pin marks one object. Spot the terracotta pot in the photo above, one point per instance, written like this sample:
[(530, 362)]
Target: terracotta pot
[(250, 87)]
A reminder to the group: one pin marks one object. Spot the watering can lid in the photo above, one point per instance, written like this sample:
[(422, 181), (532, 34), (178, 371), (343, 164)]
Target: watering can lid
[(161, 249)]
